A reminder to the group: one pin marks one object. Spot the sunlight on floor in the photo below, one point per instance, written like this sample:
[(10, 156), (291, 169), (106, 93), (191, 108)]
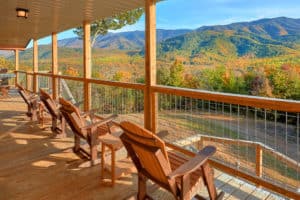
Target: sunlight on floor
[(27, 136), (9, 124), (67, 155), (43, 163), (20, 141)]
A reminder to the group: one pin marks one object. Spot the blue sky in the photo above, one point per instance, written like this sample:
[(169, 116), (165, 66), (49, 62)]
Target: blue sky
[(191, 14)]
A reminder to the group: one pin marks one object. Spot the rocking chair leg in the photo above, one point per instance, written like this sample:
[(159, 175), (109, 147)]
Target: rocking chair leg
[(34, 111), (41, 115), (142, 188), (209, 181), (63, 126), (93, 153), (34, 115), (54, 124), (77, 143), (28, 110)]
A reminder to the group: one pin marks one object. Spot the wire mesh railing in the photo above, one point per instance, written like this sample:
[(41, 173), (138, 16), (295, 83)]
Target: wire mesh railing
[(45, 83), (126, 102), (71, 90), (22, 78), (29, 81), (259, 141)]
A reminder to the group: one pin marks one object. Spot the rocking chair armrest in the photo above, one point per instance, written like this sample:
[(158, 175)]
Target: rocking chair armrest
[(32, 96), (194, 163), (113, 116), (100, 123), (90, 112), (56, 101), (163, 133), (77, 104)]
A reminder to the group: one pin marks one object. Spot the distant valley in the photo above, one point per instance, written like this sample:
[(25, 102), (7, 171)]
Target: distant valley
[(260, 57)]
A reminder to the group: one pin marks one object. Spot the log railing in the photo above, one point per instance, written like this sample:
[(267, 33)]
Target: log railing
[(234, 123)]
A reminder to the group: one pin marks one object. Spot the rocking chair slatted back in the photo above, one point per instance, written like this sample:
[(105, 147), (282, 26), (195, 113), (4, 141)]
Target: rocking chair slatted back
[(31, 101), (72, 116), (49, 103), (149, 152), (23, 94)]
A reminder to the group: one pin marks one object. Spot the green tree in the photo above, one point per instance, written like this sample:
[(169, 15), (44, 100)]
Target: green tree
[(102, 26), (234, 83), (163, 75), (212, 78)]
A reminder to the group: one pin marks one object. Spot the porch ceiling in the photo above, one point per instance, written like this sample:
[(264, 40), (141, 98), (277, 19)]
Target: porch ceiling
[(47, 16)]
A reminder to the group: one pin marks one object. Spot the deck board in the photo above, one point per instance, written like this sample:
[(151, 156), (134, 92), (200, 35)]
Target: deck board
[(35, 165), (244, 191)]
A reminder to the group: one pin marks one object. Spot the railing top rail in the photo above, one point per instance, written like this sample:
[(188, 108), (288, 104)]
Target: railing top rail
[(137, 86), (73, 78), (244, 100), (20, 71), (43, 74)]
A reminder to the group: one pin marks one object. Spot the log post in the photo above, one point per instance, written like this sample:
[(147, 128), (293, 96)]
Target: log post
[(150, 98), (87, 64), (54, 70), (16, 65), (35, 66)]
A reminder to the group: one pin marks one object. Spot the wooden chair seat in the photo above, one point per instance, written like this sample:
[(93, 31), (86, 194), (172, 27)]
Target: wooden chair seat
[(195, 179), (4, 90)]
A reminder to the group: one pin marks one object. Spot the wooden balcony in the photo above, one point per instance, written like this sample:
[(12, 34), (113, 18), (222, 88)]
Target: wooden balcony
[(34, 165)]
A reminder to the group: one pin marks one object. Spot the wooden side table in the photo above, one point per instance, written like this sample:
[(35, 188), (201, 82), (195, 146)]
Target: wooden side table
[(113, 143), (4, 89)]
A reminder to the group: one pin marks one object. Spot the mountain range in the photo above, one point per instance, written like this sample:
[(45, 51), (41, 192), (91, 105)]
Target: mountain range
[(260, 38)]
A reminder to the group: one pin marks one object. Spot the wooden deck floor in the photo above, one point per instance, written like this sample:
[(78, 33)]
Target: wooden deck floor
[(34, 165)]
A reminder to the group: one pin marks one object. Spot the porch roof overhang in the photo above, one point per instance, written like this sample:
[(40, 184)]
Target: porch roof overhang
[(47, 17)]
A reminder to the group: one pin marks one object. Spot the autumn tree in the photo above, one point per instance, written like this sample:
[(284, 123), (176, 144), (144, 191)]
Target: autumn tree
[(123, 76), (102, 26), (4, 63), (176, 74)]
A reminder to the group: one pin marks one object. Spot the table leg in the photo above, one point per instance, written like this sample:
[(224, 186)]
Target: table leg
[(102, 160), (112, 166)]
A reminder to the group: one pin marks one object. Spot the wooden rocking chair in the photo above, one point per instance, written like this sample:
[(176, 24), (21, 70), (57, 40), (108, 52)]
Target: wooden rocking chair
[(82, 128), (53, 109), (181, 176), (31, 100)]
